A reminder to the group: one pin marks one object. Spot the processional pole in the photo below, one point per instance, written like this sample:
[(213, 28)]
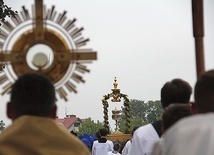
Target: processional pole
[(198, 33)]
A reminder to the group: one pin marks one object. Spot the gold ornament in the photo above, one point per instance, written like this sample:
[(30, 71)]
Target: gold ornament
[(46, 42), (116, 97)]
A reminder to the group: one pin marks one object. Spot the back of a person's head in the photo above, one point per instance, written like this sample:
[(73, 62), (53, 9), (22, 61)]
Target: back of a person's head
[(204, 92), (98, 134), (133, 130), (117, 147), (103, 132), (173, 113), (175, 91), (32, 94)]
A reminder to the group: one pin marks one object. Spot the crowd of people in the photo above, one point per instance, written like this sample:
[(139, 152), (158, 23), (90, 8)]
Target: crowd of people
[(185, 128)]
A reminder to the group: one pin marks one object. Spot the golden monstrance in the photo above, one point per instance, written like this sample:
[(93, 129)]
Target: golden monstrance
[(45, 42)]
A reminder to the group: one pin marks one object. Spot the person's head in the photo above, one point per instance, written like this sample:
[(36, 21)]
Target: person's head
[(204, 92), (173, 113), (103, 132), (117, 147), (133, 130), (98, 134), (32, 94), (175, 91)]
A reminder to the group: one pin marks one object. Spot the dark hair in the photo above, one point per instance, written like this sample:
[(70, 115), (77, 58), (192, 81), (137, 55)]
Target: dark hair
[(32, 94), (117, 147), (173, 113), (204, 92), (134, 129), (175, 91), (98, 134), (103, 132)]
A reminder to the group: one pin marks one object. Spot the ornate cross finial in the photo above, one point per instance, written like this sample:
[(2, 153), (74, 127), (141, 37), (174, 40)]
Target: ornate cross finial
[(115, 83), (115, 92)]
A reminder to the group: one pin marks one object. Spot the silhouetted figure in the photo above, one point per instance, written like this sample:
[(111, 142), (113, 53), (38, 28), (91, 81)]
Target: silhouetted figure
[(34, 130), (116, 149), (175, 91), (195, 135), (102, 146), (172, 114)]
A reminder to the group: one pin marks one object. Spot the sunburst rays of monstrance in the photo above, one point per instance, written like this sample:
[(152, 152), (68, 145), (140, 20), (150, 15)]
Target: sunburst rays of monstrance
[(64, 62)]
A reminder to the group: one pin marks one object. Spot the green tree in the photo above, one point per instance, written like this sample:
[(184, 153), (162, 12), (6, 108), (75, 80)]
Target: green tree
[(154, 111), (90, 127), (142, 113), (2, 125), (135, 121)]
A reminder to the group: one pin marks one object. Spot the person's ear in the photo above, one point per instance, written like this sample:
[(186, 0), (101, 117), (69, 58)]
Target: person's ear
[(53, 111), (192, 108), (9, 110)]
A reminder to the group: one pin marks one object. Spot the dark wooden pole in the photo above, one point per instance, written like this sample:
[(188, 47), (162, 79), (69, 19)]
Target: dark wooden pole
[(198, 33)]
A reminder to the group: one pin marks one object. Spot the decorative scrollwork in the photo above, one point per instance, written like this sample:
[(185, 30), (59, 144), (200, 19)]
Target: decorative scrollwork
[(127, 112), (105, 107)]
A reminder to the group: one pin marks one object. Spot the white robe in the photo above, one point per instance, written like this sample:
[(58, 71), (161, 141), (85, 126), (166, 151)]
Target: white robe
[(111, 153), (158, 147), (102, 148), (143, 140), (191, 136), (126, 148)]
